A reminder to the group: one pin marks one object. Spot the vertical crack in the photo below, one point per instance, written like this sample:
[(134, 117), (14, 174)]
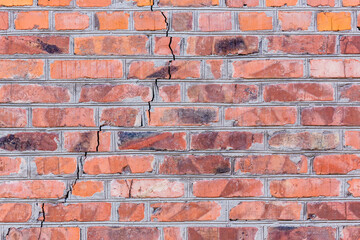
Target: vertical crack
[(42, 219), (129, 186)]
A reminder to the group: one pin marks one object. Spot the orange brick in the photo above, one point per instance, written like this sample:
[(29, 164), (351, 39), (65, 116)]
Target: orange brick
[(4, 20), (87, 188), (334, 21), (32, 20), (71, 21), (317, 3), (55, 165), (12, 3), (131, 212), (351, 3), (149, 21), (87, 141), (13, 117), (254, 21), (93, 3), (280, 3), (112, 21), (188, 3), (54, 3)]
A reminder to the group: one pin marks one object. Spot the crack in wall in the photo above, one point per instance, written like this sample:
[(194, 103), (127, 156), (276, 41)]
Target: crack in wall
[(42, 220)]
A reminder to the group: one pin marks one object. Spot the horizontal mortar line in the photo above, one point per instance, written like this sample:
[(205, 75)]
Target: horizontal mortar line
[(185, 152), (113, 7), (160, 33)]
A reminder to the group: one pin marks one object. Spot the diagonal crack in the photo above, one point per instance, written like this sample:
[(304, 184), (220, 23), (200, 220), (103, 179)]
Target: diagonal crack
[(129, 186)]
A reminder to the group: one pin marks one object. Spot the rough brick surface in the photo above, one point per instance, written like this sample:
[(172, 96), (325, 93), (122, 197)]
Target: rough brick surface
[(179, 119)]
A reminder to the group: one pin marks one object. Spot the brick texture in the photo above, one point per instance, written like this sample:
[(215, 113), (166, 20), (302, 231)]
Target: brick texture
[(179, 119)]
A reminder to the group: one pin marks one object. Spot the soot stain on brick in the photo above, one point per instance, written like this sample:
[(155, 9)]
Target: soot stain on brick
[(190, 116), (129, 136), (96, 22), (222, 170), (84, 144), (226, 46), (49, 48), (163, 72), (12, 143)]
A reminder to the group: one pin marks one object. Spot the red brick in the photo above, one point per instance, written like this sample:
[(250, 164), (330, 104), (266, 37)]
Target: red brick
[(354, 187), (15, 93), (21, 69), (4, 20), (270, 68), (32, 20), (15, 212), (87, 188), (317, 3), (181, 212), (13, 117), (266, 211), (276, 233), (192, 164), (131, 212), (71, 21), (63, 117), (32, 189), (183, 116), (53, 233), (326, 211), (280, 3), (222, 233), (330, 116), (93, 3), (223, 93), (110, 233), (225, 140), (55, 165), (118, 164), (149, 21), (115, 93), (10, 166), (170, 93), (13, 3), (255, 21), (222, 45), (111, 45), (172, 233), (188, 3), (74, 69), (304, 140), (87, 141), (261, 116), (271, 164), (336, 164), (305, 187), (350, 44), (112, 21), (121, 117), (292, 92), (228, 188), (350, 232), (350, 93), (147, 188), (304, 44), (242, 3), (352, 139), (54, 3), (79, 212), (162, 45), (34, 45), (295, 21), (215, 21), (182, 21), (30, 141), (334, 21)]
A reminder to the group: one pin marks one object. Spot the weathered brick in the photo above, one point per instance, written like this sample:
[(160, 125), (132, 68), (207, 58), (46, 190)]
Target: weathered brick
[(181, 212), (225, 140), (11, 165), (268, 69), (216, 67), (80, 212), (111, 45), (54, 233), (354, 187), (63, 117), (32, 20), (110, 233), (170, 93), (172, 233), (74, 69), (223, 93), (242, 3), (266, 211), (162, 45), (55, 165), (350, 93), (350, 44), (13, 117), (222, 233), (215, 21), (183, 116), (304, 140), (350, 232), (90, 141), (271, 164), (4, 20), (93, 3), (118, 164), (295, 21), (182, 21), (121, 117), (147, 188), (152, 141), (15, 212), (352, 139), (71, 21), (275, 233), (336, 164), (192, 164), (21, 69), (317, 3), (330, 116), (277, 3), (32, 189), (112, 21), (261, 116), (228, 188), (188, 3), (305, 187), (131, 212), (222, 45), (30, 141)]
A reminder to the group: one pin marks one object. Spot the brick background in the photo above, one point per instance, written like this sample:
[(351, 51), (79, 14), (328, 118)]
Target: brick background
[(179, 119)]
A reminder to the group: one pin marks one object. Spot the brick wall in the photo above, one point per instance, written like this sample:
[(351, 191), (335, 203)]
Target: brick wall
[(179, 119)]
